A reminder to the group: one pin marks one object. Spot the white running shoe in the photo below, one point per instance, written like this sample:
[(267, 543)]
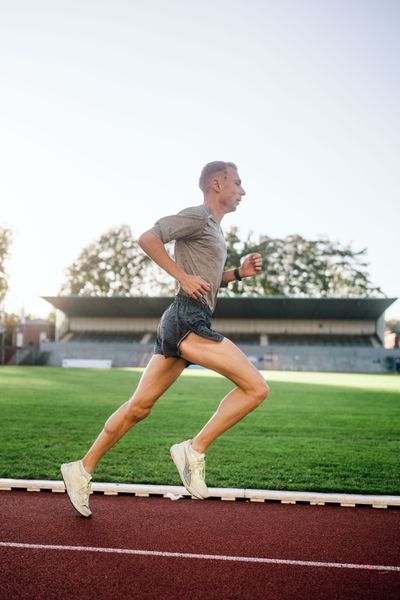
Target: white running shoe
[(78, 486), (191, 469)]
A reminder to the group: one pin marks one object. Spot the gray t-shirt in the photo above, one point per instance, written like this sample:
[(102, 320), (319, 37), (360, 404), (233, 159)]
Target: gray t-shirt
[(200, 247)]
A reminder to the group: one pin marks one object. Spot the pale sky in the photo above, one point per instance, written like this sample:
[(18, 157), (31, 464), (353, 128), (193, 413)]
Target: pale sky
[(109, 110)]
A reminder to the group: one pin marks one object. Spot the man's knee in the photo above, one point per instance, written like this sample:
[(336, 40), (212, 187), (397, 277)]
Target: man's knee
[(260, 392), (136, 411)]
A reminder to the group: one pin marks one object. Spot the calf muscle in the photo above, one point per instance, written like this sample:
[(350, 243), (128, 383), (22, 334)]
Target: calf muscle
[(225, 358), (158, 376)]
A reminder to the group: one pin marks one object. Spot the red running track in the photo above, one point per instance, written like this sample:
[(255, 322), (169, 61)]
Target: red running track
[(357, 540)]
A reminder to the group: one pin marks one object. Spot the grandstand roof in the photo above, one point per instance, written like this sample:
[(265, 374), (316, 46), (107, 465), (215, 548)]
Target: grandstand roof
[(271, 307)]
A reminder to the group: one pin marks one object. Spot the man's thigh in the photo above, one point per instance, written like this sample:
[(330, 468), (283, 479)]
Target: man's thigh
[(223, 357)]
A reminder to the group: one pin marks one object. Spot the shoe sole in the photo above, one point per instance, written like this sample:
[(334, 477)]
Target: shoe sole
[(180, 465), (68, 490)]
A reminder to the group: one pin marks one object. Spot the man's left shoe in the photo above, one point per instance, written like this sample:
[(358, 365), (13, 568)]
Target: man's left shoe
[(191, 469)]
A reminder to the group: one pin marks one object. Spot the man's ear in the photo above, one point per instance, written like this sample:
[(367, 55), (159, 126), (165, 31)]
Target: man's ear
[(216, 184)]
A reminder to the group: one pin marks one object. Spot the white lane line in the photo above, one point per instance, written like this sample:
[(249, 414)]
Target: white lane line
[(248, 559)]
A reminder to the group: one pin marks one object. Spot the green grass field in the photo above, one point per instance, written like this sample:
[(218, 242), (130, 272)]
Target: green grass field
[(325, 432)]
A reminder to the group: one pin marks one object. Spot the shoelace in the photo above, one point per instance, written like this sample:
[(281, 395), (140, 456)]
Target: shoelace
[(85, 491), (198, 467)]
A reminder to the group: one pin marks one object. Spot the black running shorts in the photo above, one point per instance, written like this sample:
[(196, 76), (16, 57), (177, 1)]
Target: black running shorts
[(183, 316)]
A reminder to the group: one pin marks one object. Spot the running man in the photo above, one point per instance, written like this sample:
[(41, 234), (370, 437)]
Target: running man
[(184, 335)]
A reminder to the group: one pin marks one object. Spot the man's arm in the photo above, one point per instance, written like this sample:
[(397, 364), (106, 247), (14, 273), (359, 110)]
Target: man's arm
[(251, 265), (193, 285)]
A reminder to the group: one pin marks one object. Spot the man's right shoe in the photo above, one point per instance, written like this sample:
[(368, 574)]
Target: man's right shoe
[(78, 486), (191, 469)]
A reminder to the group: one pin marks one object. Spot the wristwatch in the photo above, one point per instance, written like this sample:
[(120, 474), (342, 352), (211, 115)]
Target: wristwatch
[(236, 272)]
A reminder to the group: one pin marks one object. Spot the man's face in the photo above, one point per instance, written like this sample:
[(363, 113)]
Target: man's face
[(231, 190)]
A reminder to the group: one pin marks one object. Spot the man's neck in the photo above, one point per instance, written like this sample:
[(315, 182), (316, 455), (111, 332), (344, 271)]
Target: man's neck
[(215, 208)]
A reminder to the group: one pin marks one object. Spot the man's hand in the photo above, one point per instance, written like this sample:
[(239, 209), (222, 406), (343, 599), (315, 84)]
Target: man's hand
[(251, 265), (194, 285)]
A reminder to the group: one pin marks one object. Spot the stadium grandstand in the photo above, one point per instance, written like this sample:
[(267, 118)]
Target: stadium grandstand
[(280, 333)]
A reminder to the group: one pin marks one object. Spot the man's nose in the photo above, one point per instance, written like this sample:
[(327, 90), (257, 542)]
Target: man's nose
[(242, 193)]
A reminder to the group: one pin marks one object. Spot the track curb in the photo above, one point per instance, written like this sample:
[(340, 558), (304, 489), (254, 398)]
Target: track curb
[(174, 492)]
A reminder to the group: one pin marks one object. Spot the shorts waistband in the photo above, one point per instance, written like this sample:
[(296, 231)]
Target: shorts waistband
[(188, 300)]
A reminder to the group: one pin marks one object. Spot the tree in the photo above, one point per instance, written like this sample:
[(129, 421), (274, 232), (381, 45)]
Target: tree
[(294, 266), (114, 265), (5, 244), (10, 320), (393, 324)]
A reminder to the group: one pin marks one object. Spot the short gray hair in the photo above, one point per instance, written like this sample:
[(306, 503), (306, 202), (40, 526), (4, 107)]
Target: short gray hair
[(217, 166)]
